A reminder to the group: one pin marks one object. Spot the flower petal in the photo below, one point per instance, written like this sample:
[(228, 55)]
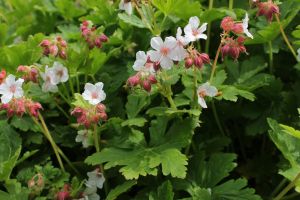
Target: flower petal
[(6, 98), (202, 102), (156, 43), (194, 22), (154, 55), (166, 63)]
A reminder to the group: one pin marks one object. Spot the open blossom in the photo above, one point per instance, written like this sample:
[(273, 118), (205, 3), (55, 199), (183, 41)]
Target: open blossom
[(179, 52), (126, 6), (84, 136), (96, 178), (163, 51), (193, 32), (11, 88), (94, 94), (60, 73), (206, 90), (142, 63), (49, 80), (245, 26), (90, 193)]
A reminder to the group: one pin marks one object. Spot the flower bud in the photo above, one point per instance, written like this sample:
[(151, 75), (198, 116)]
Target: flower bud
[(238, 28), (45, 43), (53, 49), (234, 52), (2, 76), (188, 62), (152, 79), (268, 9), (205, 58), (156, 66), (198, 62), (98, 42), (62, 54), (133, 81), (227, 24), (63, 195), (225, 50), (103, 38), (100, 107), (147, 85)]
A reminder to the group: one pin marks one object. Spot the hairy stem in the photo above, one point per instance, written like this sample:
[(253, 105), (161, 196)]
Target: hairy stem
[(287, 188), (210, 6), (285, 37), (195, 86), (216, 116), (47, 134), (215, 63), (270, 57), (230, 6), (96, 139)]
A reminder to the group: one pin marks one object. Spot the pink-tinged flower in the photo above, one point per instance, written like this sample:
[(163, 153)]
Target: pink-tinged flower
[(233, 47), (179, 52), (33, 108), (227, 24), (206, 90), (237, 28), (126, 6), (162, 53), (192, 30), (2, 76), (142, 64), (96, 178), (11, 88), (245, 26), (49, 78), (268, 9), (82, 116), (94, 94), (60, 73), (85, 137)]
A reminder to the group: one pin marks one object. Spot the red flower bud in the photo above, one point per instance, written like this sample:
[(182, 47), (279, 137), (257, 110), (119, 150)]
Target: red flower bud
[(53, 49), (45, 43), (238, 28), (198, 62), (268, 9), (227, 24), (103, 38), (147, 85), (133, 81), (63, 195), (188, 62), (205, 58), (152, 79), (2, 76)]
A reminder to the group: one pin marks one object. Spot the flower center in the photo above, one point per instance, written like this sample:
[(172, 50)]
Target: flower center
[(13, 88), (60, 73), (195, 32), (202, 93), (94, 95), (164, 51)]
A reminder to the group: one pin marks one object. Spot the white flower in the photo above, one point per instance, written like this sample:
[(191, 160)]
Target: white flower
[(90, 193), (84, 136), (49, 80), (298, 51), (206, 90), (192, 32), (179, 52), (11, 88), (94, 94), (162, 52), (60, 72), (141, 64), (127, 6), (245, 26), (96, 178)]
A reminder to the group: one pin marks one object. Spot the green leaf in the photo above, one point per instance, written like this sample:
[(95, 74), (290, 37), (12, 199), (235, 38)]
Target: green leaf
[(165, 192), (80, 101), (114, 193), (10, 149), (234, 190), (231, 93), (134, 122), (135, 103), (291, 131), (132, 20)]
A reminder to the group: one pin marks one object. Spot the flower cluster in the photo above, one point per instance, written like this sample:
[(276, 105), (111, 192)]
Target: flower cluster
[(267, 9), (20, 106), (233, 46), (57, 47), (30, 73), (166, 52), (95, 111), (53, 76), (91, 35)]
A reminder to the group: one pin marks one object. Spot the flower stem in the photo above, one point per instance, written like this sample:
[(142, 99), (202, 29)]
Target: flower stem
[(217, 118), (215, 63), (210, 6), (171, 102), (64, 97), (287, 188), (195, 86), (71, 85), (285, 37), (77, 83), (61, 110), (230, 4), (49, 137), (96, 139), (270, 57), (278, 187)]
